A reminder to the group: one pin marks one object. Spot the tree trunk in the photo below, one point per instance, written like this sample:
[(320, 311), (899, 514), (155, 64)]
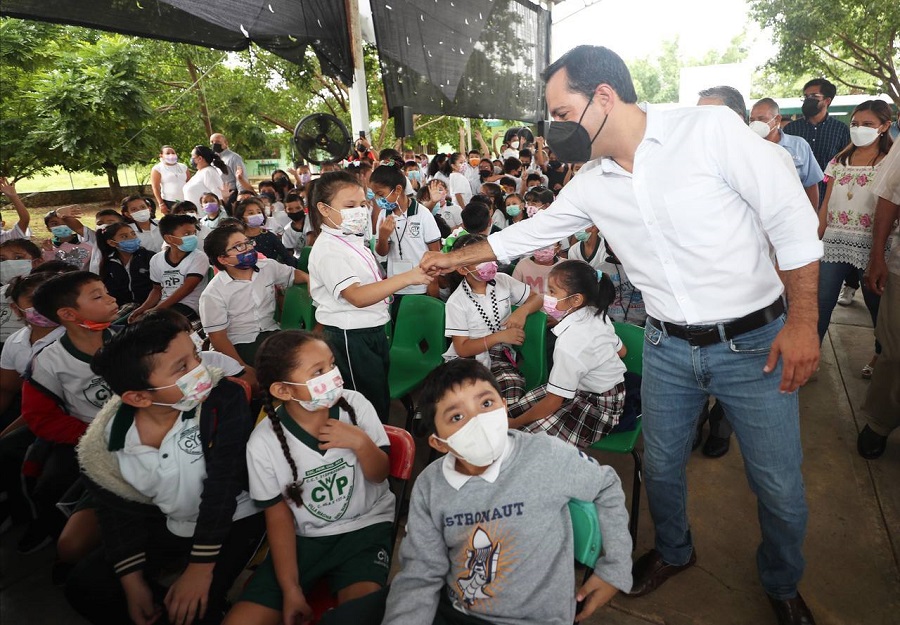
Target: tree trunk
[(201, 99), (112, 176)]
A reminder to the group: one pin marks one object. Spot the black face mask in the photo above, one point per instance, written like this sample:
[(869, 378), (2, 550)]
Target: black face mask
[(193, 164), (217, 148), (555, 164), (810, 107), (298, 216), (570, 141)]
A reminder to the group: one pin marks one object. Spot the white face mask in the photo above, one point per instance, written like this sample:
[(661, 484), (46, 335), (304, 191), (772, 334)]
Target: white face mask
[(324, 390), (141, 216), (354, 219), (761, 128), (861, 136), (170, 159), (10, 269), (195, 385), (482, 440)]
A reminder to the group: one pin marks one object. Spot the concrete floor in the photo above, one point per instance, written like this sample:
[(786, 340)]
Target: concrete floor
[(852, 548)]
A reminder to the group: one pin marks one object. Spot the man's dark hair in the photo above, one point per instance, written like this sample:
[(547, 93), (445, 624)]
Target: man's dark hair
[(126, 361), (730, 97), (216, 242), (61, 291), (476, 217), (170, 223), (589, 66), (825, 86), (447, 376)]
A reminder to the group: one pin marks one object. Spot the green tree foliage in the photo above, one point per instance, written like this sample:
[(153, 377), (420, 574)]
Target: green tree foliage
[(856, 44)]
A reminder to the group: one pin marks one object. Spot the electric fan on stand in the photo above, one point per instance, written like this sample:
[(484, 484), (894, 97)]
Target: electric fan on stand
[(321, 138)]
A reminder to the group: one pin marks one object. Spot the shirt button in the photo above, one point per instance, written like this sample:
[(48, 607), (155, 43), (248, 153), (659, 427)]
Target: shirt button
[(165, 455)]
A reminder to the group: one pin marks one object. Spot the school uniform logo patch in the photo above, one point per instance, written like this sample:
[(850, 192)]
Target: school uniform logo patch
[(97, 393), (328, 490), (414, 229), (189, 441)]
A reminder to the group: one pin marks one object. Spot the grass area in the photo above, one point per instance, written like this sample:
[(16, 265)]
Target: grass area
[(39, 230), (58, 179)]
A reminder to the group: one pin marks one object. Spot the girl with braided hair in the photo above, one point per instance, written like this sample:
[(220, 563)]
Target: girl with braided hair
[(318, 465), (481, 323)]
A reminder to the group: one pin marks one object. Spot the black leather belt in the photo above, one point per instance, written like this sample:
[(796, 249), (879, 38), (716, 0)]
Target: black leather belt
[(700, 336)]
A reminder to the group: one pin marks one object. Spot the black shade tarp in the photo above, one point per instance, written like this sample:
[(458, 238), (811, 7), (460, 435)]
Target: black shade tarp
[(470, 58), (284, 27)]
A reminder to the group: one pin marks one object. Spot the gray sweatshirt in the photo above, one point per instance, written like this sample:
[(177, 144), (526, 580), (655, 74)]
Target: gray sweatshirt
[(503, 551)]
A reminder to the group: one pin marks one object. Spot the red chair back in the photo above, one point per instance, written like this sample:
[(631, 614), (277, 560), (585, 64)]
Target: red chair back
[(403, 452)]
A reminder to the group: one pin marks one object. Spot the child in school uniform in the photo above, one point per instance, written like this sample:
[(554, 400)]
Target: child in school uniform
[(138, 213), (60, 394), (179, 272), (238, 306), (213, 211), (318, 465), (298, 227), (252, 212), (489, 536), (585, 394), (405, 230), (481, 323), (124, 264), (165, 471), (18, 257), (347, 287)]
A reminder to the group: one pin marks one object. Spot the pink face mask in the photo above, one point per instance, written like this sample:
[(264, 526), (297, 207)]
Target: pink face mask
[(545, 255), (549, 307), (38, 320), (486, 271)]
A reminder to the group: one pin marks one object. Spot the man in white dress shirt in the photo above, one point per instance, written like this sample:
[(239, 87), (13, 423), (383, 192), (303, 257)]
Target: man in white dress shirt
[(690, 200)]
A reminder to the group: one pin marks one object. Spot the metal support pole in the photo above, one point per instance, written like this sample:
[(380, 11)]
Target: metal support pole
[(359, 102)]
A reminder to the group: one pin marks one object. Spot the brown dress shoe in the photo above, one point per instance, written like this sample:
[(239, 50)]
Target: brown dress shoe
[(649, 572), (792, 611)]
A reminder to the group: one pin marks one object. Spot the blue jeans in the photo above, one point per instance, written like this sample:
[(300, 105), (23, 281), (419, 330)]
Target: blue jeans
[(677, 380), (831, 278)]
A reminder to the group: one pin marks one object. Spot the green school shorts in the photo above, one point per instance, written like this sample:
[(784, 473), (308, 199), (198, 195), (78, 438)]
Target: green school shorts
[(344, 559)]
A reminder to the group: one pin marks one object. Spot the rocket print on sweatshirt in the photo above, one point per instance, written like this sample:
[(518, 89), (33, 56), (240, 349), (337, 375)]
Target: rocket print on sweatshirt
[(481, 567)]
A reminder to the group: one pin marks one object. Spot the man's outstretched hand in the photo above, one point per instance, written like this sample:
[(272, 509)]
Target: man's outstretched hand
[(437, 263)]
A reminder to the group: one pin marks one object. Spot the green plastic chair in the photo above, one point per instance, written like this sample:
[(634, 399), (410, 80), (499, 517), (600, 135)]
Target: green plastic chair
[(587, 536), (533, 352), (416, 348), (624, 442), (298, 311), (303, 260)]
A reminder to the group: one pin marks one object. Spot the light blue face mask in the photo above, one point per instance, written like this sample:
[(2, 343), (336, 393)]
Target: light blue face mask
[(513, 210), (385, 204), (62, 232), (130, 246), (582, 235), (188, 243), (370, 195)]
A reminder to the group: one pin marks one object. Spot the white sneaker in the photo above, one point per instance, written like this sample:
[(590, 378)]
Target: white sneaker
[(846, 296)]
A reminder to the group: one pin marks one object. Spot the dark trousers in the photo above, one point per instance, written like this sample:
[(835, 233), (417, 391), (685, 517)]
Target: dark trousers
[(12, 453), (363, 358), (58, 473), (95, 592)]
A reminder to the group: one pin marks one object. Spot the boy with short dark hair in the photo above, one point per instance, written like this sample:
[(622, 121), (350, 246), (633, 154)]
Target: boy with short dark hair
[(490, 538), (165, 463), (179, 271)]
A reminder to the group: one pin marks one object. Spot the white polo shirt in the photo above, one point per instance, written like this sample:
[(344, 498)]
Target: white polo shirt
[(595, 260), (63, 371), (336, 262), (10, 323), (18, 350), (585, 357), (172, 476), (244, 307), (294, 240), (462, 317), (170, 277), (414, 230), (451, 214), (337, 498), (150, 239)]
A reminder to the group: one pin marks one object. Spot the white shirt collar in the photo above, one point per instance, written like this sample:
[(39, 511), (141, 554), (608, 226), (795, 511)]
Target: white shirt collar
[(457, 480), (571, 318)]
